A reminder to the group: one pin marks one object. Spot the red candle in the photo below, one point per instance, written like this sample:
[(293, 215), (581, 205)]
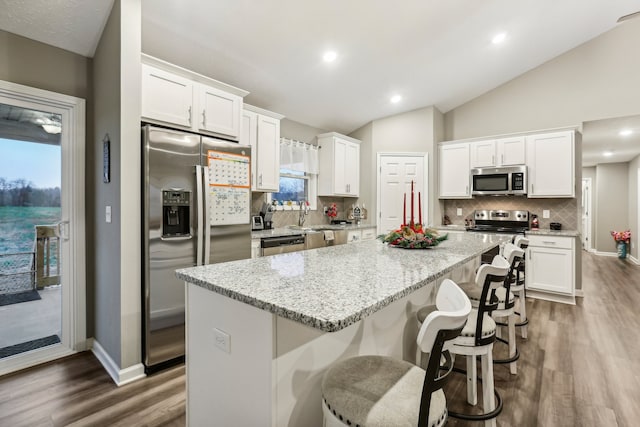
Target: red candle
[(411, 223), (419, 209), (404, 211)]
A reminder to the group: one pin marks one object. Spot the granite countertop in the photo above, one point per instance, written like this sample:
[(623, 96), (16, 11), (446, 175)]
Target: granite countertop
[(287, 231), (331, 288), (548, 232)]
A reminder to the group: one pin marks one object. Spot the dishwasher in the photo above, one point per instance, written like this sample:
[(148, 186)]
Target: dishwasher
[(281, 244)]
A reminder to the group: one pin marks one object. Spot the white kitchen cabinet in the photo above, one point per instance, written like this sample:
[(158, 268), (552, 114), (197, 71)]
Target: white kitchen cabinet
[(354, 236), (261, 130), (368, 234), (218, 111), (167, 98), (550, 267), (551, 161), (454, 171), (339, 164), (176, 97), (498, 152)]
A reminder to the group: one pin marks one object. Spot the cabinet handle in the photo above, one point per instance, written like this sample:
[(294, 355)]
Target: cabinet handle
[(493, 160), (501, 159), (531, 188), (189, 115), (549, 242), (204, 118), (260, 180), (466, 189)]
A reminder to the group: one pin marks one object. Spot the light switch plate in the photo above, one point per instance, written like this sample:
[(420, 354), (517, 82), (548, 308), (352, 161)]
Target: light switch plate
[(459, 211), (222, 340), (546, 213), (107, 214)]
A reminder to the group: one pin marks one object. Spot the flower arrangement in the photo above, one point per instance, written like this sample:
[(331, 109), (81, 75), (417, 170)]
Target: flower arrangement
[(332, 211), (621, 236), (413, 235)]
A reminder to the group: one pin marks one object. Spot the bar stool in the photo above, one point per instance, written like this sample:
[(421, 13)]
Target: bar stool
[(477, 338), (518, 286), (383, 391)]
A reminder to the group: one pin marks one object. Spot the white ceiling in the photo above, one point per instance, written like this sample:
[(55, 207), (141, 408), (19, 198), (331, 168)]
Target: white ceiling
[(599, 136), (431, 52)]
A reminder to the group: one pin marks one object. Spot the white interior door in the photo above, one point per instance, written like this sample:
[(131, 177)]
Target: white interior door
[(34, 120), (396, 171), (586, 214)]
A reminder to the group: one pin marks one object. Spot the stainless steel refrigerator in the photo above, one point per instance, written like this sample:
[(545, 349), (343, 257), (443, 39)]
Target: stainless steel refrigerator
[(197, 207)]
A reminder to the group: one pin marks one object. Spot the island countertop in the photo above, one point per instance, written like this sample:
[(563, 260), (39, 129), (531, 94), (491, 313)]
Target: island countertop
[(334, 287)]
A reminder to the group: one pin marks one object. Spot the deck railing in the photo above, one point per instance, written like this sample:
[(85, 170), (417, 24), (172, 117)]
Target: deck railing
[(25, 271)]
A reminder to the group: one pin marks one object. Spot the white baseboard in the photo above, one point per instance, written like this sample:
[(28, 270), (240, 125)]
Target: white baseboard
[(119, 376), (634, 260), (547, 296), (579, 293), (599, 253)]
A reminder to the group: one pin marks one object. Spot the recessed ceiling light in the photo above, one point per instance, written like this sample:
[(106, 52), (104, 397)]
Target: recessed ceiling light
[(396, 98), (499, 38), (625, 132), (329, 56), (607, 154)]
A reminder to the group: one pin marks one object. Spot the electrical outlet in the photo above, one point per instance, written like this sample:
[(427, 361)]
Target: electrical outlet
[(546, 213), (107, 214), (222, 340), (459, 211)]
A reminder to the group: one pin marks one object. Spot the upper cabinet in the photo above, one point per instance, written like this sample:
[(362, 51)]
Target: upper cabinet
[(454, 171), (261, 130), (498, 152), (177, 97), (339, 164), (550, 161)]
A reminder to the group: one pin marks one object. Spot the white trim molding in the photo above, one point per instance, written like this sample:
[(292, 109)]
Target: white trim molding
[(119, 376), (634, 260), (610, 254), (579, 293)]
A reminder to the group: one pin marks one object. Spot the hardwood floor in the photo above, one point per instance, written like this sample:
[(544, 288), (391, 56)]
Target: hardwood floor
[(579, 367)]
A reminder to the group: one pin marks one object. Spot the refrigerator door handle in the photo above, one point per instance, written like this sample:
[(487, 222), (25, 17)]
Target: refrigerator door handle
[(207, 215), (199, 213)]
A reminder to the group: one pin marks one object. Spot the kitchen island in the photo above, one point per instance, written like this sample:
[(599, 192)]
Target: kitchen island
[(261, 332)]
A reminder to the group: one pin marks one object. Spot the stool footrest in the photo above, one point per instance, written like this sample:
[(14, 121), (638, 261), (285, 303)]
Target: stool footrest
[(524, 323), (510, 359), (477, 417)]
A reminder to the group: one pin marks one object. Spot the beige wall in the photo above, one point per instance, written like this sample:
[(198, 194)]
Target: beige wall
[(612, 203), (599, 79), (117, 259), (416, 131)]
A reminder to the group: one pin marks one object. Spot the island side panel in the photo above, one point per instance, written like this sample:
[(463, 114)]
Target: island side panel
[(235, 388), (304, 353)]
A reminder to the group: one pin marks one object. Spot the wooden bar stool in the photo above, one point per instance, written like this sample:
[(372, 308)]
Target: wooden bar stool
[(382, 391), (477, 338), (518, 286)]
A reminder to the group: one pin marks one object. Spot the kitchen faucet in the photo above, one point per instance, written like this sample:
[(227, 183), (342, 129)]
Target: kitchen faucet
[(304, 211)]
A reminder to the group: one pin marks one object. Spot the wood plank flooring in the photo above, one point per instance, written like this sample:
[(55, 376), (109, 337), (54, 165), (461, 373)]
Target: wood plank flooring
[(580, 366)]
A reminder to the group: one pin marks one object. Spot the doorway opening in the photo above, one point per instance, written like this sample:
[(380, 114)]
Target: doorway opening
[(42, 265), (586, 214)]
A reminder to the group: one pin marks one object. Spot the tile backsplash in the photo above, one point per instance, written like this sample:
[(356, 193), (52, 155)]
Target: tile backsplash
[(564, 211), (317, 217)]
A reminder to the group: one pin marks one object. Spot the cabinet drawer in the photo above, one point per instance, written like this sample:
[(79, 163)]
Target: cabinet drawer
[(369, 234), (550, 241)]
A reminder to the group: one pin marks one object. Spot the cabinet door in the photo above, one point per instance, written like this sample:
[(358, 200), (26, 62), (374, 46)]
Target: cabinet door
[(483, 154), (352, 169), (550, 161), (340, 166), (268, 154), (511, 151), (219, 111), (454, 171), (166, 97), (550, 270), (248, 136)]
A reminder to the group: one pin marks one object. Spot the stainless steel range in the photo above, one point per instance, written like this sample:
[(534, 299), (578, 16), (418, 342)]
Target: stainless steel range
[(500, 221)]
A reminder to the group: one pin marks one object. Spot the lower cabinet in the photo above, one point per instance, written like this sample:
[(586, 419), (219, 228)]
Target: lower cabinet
[(354, 236), (255, 248), (550, 267)]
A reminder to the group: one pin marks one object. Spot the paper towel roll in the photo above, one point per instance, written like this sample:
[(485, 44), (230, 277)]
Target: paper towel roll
[(328, 235)]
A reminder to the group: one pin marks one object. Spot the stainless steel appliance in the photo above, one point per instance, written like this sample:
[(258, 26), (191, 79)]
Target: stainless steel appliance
[(281, 244), (196, 201), (266, 212), (500, 221), (499, 181)]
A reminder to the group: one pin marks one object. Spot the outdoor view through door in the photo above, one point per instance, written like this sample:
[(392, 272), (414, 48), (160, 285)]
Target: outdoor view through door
[(30, 216)]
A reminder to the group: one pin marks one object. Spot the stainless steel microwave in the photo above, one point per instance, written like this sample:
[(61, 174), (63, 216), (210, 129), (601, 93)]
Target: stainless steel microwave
[(499, 181)]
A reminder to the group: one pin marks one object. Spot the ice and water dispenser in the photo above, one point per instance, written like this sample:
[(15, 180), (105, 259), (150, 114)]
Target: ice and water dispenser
[(176, 213)]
